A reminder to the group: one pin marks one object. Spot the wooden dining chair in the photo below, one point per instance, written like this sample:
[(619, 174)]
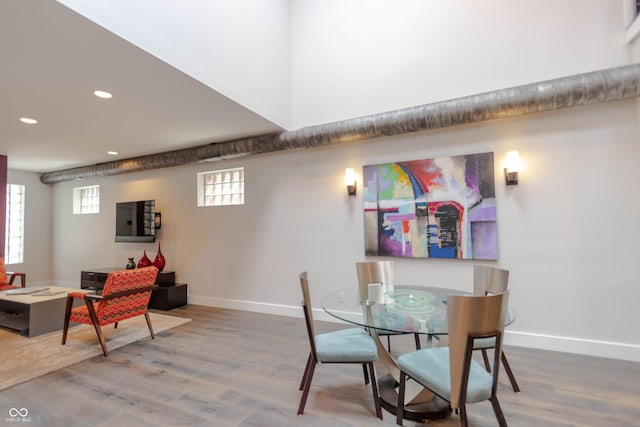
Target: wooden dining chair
[(492, 280), (351, 345), (380, 273), (450, 372)]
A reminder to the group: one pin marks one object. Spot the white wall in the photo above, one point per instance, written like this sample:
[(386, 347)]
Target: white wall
[(37, 226), (356, 57), (238, 48)]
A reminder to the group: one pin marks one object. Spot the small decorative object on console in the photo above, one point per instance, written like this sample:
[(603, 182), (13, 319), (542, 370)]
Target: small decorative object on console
[(144, 261), (159, 262), (131, 264)]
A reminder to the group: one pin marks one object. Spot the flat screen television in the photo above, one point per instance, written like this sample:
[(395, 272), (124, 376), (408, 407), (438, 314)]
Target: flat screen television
[(135, 221)]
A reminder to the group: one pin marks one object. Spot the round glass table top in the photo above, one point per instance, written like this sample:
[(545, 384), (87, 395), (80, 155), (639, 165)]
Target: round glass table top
[(411, 309)]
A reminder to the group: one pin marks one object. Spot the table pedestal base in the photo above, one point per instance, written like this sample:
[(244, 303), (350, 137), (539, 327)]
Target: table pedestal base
[(432, 410)]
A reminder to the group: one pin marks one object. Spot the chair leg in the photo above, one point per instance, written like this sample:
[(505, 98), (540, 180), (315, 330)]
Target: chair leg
[(306, 387), (67, 315), (148, 318), (512, 379), (103, 343), (400, 405), (389, 343), (417, 338), (464, 422), (485, 357), (366, 375), (306, 371), (429, 341), (498, 410), (115, 325), (96, 326), (374, 387)]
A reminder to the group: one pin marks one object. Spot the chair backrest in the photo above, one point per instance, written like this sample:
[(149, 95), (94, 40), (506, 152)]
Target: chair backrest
[(490, 280), (3, 273), (374, 272), (471, 316), (308, 314), (126, 294)]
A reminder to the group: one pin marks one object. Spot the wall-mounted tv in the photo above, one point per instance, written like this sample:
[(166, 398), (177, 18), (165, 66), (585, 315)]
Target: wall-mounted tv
[(135, 221)]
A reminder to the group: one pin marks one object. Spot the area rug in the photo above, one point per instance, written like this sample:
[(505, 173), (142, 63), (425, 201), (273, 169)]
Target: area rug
[(26, 358)]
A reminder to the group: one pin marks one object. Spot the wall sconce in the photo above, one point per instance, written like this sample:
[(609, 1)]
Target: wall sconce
[(351, 181), (157, 221), (512, 167)]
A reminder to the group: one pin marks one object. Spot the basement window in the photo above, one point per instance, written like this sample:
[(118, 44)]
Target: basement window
[(86, 200), (221, 188), (14, 232)]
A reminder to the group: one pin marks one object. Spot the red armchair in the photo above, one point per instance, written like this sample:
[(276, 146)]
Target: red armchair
[(126, 294), (7, 278)]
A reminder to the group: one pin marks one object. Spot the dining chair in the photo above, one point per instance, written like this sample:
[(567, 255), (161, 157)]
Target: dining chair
[(379, 273), (492, 280), (450, 372), (351, 345)]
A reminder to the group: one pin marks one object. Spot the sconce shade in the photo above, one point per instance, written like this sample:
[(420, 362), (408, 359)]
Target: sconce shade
[(512, 167), (351, 181)]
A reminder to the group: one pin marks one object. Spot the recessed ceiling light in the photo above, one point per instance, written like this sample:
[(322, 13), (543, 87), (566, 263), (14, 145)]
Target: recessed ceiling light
[(112, 153), (102, 94), (28, 120)]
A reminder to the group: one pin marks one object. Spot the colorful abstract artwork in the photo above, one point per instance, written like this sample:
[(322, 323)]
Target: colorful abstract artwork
[(433, 208)]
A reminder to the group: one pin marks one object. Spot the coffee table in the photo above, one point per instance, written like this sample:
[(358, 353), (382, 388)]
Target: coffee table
[(37, 313)]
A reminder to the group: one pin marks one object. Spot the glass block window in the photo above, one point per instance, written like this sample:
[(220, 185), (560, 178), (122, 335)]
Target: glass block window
[(86, 200), (221, 187), (14, 233)]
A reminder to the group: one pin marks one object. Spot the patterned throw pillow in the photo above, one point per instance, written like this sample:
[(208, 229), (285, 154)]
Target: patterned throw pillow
[(3, 272)]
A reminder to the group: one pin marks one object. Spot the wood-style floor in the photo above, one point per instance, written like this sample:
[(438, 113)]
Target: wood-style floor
[(234, 368)]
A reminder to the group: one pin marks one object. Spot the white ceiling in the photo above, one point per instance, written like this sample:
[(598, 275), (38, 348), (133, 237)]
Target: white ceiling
[(52, 60)]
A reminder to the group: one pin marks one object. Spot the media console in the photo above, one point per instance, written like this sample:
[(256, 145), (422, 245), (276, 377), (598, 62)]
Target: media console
[(168, 297), (169, 294)]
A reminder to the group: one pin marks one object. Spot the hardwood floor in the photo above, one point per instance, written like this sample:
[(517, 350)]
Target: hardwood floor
[(234, 368)]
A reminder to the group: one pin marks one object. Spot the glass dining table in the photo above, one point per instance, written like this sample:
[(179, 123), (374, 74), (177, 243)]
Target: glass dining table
[(403, 309)]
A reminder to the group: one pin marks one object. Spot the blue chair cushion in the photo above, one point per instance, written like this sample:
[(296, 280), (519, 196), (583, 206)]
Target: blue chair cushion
[(430, 367), (346, 346), (481, 343)]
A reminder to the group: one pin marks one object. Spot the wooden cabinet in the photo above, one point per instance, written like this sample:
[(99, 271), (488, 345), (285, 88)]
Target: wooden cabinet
[(168, 295), (94, 279)]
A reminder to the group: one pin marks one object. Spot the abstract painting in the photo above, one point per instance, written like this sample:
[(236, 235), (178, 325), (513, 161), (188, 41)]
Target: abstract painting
[(433, 208)]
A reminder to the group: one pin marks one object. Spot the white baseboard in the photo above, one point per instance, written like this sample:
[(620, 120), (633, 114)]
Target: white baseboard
[(611, 350), (608, 349), (254, 306)]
